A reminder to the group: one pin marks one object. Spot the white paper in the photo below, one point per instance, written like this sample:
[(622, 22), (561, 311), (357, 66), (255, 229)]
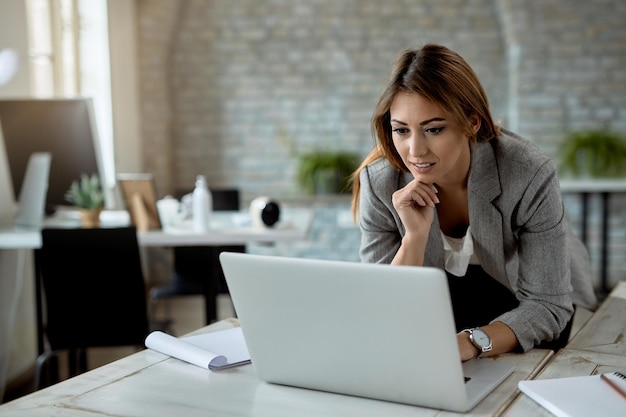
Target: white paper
[(214, 350), (230, 343)]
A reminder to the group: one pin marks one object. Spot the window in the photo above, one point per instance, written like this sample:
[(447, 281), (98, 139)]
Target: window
[(69, 56)]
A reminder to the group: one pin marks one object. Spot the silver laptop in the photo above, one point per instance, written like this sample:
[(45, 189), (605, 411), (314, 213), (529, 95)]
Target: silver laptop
[(370, 330)]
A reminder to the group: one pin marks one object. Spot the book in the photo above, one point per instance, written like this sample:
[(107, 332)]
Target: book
[(217, 350), (579, 396)]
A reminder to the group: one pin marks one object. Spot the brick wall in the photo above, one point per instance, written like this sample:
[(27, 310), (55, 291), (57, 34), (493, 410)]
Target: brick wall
[(236, 90)]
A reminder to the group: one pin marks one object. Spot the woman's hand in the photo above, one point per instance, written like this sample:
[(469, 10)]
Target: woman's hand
[(415, 204), (467, 350)]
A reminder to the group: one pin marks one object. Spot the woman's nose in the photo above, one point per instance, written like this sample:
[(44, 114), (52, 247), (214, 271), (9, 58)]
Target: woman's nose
[(418, 146)]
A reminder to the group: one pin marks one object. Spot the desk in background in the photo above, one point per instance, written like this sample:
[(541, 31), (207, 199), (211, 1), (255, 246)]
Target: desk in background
[(148, 383), (605, 188), (227, 228), (293, 226)]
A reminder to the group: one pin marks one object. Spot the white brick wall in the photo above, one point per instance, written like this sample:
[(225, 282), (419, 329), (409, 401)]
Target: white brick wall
[(235, 90)]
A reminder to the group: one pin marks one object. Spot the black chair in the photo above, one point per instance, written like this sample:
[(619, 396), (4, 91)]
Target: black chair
[(197, 270), (92, 295)]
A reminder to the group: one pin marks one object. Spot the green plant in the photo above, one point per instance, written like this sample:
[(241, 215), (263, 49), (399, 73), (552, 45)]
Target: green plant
[(86, 193), (326, 172), (593, 153)]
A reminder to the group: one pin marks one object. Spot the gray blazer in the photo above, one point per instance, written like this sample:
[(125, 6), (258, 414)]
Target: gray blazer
[(519, 227)]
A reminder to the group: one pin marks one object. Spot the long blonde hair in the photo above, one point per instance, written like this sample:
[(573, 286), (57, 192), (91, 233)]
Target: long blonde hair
[(442, 77)]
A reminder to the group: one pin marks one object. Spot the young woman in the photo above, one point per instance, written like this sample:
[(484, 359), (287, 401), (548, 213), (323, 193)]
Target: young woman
[(446, 187)]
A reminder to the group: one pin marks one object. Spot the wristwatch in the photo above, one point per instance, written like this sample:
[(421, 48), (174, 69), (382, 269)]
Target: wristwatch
[(480, 339)]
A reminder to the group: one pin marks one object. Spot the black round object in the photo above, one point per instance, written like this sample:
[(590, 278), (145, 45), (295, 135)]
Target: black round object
[(270, 213)]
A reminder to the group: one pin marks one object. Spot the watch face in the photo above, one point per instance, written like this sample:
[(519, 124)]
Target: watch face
[(481, 337)]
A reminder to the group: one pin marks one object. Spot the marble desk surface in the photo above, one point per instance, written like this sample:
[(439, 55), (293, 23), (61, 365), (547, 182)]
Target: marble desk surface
[(567, 363), (598, 347), (604, 331), (148, 383)]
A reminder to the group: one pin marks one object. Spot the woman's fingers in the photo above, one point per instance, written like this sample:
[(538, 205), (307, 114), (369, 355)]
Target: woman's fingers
[(422, 194), (415, 205), (416, 193)]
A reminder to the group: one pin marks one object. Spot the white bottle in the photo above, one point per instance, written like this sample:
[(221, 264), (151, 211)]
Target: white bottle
[(202, 205)]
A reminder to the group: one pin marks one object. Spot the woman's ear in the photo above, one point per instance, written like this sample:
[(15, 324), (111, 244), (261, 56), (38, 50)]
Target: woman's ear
[(475, 123)]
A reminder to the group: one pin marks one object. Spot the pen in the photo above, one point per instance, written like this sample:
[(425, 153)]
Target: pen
[(616, 385)]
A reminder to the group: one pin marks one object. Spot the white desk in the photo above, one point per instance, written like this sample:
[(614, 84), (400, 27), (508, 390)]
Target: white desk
[(151, 384), (224, 232), (608, 185), (227, 228)]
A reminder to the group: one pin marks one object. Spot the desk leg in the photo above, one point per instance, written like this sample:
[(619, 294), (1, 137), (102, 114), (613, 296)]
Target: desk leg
[(604, 242), (217, 283), (604, 259), (210, 306), (50, 370), (38, 301), (584, 197)]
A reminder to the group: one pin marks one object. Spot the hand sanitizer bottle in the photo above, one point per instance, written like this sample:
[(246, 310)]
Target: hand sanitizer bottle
[(202, 205)]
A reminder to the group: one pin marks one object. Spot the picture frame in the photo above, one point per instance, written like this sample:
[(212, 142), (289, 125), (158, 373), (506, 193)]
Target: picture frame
[(139, 194)]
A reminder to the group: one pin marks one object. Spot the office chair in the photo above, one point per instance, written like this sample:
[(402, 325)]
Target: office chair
[(92, 295), (197, 270)]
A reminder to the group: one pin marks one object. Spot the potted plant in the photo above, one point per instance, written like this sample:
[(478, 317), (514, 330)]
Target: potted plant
[(326, 172), (86, 193), (593, 154)]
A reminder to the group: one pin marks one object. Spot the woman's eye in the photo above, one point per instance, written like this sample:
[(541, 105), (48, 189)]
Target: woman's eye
[(434, 130), (400, 130)]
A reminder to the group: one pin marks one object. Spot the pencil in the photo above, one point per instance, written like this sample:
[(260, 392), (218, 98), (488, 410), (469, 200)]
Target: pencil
[(621, 390)]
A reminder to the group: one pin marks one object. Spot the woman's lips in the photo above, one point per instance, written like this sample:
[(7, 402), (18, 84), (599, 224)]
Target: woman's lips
[(423, 167)]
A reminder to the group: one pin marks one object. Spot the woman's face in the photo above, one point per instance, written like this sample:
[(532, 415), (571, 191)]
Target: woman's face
[(432, 146)]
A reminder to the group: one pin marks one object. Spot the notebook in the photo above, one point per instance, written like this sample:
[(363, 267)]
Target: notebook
[(580, 396), (370, 330)]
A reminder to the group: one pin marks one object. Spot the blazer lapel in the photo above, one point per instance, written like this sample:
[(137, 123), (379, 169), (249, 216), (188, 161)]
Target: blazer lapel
[(484, 190), (434, 255)]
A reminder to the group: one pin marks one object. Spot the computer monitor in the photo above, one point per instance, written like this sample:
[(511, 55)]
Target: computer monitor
[(64, 127)]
